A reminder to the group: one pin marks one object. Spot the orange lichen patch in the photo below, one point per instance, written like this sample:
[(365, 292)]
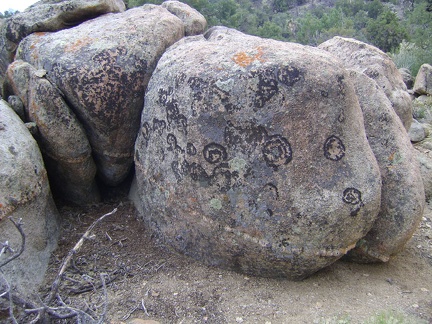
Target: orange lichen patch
[(245, 59), (78, 44)]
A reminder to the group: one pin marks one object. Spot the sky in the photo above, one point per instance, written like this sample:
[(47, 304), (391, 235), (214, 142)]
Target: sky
[(19, 5)]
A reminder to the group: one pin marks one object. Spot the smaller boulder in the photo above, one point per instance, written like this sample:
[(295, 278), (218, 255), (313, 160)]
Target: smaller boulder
[(62, 139), (25, 194), (423, 81), (402, 195), (422, 109), (407, 77), (378, 66), (49, 16), (424, 157), (194, 22), (417, 132), (17, 105)]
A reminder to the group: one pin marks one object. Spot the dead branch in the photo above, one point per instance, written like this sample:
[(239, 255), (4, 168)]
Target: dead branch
[(64, 311), (6, 246), (55, 285)]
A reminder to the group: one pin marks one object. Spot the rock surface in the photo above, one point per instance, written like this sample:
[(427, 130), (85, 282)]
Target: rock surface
[(49, 16), (24, 194), (62, 139), (423, 81), (378, 66), (102, 67), (402, 196), (252, 155)]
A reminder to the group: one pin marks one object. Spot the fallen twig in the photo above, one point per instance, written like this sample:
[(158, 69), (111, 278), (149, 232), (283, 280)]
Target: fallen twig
[(18, 226), (55, 285), (144, 308), (64, 311)]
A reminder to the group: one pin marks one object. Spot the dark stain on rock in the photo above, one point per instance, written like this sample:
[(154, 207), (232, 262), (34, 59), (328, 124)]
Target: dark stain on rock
[(270, 187), (191, 149), (333, 148), (197, 172), (352, 196), (340, 83), (12, 150), (179, 169), (245, 138), (159, 126), (223, 178), (171, 141), (267, 87), (288, 75), (277, 151), (145, 130), (214, 153)]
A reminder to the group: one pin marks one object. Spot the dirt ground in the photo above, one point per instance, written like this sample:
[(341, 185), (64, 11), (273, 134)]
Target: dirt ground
[(146, 281)]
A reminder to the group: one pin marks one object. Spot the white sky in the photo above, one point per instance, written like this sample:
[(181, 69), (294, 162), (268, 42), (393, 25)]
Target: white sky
[(19, 5)]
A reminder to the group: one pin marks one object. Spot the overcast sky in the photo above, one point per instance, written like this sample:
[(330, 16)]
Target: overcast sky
[(19, 5)]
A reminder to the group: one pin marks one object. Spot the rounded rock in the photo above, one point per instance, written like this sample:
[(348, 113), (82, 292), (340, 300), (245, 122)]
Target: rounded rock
[(262, 164)]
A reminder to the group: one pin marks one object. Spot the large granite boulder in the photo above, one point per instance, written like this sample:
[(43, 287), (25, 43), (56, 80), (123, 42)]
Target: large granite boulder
[(62, 139), (102, 67), (378, 66), (402, 196), (252, 155), (24, 194), (423, 81), (49, 16)]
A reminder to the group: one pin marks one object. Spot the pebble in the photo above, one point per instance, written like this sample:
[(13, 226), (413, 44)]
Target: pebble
[(239, 319), (141, 321)]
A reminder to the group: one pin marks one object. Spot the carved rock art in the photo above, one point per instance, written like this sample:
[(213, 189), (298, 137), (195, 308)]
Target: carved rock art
[(242, 163)]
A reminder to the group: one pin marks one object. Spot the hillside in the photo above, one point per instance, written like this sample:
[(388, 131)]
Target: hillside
[(399, 27)]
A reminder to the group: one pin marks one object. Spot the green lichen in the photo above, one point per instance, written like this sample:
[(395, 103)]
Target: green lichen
[(215, 203), (237, 164)]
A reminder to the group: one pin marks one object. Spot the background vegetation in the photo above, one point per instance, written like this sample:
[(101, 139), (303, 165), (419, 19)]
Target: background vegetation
[(402, 28)]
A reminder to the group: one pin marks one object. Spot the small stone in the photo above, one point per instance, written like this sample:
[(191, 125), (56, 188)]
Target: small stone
[(32, 128), (142, 321), (239, 319), (318, 305), (424, 289), (415, 306), (417, 132)]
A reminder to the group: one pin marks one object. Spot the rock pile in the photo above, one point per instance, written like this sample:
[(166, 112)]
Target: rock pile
[(270, 158)]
